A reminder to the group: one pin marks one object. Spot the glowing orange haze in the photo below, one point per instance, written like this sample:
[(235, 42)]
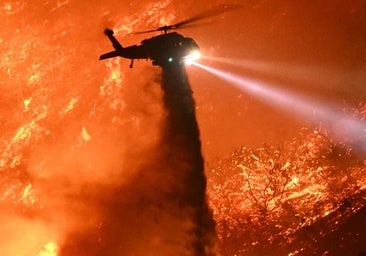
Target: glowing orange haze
[(73, 130)]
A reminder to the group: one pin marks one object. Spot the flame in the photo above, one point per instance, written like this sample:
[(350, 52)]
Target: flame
[(28, 196), (60, 106), (85, 135), (259, 190), (54, 91), (49, 249)]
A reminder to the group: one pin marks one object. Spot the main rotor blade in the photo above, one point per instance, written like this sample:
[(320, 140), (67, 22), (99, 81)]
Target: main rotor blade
[(163, 28), (204, 15), (146, 31), (207, 14)]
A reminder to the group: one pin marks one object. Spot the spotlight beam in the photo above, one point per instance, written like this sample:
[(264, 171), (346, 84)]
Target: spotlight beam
[(310, 74), (342, 126)]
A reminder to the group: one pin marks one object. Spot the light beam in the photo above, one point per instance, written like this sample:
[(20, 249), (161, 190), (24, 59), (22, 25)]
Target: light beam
[(314, 74), (192, 57), (343, 126)]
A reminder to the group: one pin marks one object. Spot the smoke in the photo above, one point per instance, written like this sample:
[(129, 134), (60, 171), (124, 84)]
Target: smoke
[(118, 172), (157, 202), (89, 164), (128, 180), (89, 179)]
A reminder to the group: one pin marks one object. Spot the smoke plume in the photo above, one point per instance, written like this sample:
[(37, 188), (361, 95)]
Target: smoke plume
[(158, 204), (94, 160)]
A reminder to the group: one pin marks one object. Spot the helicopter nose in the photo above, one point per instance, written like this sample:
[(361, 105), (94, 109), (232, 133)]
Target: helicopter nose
[(195, 46), (193, 56)]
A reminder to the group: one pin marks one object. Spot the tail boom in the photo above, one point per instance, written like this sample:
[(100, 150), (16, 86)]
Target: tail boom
[(109, 55), (115, 43)]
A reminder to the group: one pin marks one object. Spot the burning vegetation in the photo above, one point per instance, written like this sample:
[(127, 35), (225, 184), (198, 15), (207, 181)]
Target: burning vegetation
[(304, 198), (81, 155)]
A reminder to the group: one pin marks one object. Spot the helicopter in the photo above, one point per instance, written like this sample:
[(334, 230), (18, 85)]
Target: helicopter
[(169, 48), (164, 49)]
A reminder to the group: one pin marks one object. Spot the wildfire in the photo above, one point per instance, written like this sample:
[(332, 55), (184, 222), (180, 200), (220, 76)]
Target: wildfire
[(56, 101), (28, 196), (49, 249), (266, 198)]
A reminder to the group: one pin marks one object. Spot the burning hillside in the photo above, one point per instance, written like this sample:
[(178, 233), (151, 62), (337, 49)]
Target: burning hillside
[(94, 161), (305, 198)]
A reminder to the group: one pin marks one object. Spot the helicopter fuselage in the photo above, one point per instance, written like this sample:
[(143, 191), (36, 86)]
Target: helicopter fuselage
[(169, 48), (165, 49)]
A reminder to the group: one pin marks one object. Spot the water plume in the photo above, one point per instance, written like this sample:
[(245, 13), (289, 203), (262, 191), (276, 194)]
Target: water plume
[(184, 158)]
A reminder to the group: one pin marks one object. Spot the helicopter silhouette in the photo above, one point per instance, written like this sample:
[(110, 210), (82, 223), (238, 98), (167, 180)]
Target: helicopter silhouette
[(169, 48), (164, 49)]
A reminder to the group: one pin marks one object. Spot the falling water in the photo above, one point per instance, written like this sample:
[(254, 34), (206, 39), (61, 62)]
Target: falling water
[(184, 159)]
